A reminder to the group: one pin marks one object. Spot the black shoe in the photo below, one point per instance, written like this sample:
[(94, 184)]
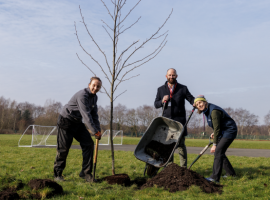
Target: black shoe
[(88, 178), (59, 179), (82, 175)]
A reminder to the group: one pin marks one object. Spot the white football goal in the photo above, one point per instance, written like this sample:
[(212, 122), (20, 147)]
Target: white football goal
[(36, 135), (117, 137)]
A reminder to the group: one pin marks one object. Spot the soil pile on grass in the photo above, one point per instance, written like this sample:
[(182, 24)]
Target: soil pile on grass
[(38, 184), (176, 178), (159, 151), (9, 194), (120, 179)]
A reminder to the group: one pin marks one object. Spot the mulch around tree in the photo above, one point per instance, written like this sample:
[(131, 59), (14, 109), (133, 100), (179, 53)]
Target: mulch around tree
[(175, 178), (120, 179)]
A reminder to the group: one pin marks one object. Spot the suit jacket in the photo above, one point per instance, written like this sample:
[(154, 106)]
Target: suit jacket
[(177, 109)]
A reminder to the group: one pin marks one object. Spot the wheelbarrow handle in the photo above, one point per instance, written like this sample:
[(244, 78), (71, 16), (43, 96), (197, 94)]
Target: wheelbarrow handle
[(190, 116), (163, 108)]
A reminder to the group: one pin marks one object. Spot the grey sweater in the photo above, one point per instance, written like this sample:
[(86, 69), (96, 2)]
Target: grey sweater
[(82, 107)]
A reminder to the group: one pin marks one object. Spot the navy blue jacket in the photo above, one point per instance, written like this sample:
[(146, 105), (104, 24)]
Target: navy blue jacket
[(228, 125), (177, 109)]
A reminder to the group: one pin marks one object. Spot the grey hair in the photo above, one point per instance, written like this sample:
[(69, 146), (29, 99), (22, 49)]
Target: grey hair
[(172, 69)]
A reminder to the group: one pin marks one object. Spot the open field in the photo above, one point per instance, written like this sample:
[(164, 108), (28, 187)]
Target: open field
[(29, 163), (243, 144)]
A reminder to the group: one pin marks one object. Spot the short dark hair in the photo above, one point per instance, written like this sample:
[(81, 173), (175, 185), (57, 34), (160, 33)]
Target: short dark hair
[(95, 78)]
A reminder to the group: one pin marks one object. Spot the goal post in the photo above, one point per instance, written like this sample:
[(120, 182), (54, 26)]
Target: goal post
[(117, 137), (36, 135)]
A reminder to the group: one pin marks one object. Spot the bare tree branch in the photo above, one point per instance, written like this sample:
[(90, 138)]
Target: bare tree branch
[(147, 40), (128, 27), (147, 55), (108, 33), (120, 57), (86, 65), (107, 9), (120, 81), (139, 66), (94, 42), (161, 35), (94, 74), (119, 95), (89, 54), (107, 25), (106, 91), (120, 22)]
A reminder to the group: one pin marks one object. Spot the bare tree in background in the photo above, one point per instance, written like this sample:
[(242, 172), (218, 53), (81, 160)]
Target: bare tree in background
[(245, 119), (267, 122), (121, 66)]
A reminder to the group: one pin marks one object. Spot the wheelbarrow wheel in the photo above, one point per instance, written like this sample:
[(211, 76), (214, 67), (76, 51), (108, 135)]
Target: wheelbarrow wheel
[(152, 170)]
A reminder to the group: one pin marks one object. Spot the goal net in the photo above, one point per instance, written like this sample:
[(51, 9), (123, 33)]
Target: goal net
[(117, 138), (36, 135)]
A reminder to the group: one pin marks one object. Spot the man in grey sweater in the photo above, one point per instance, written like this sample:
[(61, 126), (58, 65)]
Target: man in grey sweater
[(80, 110)]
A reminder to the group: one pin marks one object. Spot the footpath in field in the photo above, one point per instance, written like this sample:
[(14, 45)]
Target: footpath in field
[(194, 150)]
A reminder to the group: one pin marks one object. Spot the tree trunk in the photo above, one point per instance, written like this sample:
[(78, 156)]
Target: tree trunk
[(111, 134), (112, 88)]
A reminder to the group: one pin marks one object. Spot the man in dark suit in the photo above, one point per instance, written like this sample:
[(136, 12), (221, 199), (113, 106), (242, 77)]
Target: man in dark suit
[(175, 94)]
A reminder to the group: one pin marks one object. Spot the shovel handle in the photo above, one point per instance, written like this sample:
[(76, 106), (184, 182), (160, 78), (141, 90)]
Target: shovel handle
[(96, 151), (95, 159)]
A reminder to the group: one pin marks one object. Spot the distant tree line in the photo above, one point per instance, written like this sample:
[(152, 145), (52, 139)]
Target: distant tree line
[(16, 117)]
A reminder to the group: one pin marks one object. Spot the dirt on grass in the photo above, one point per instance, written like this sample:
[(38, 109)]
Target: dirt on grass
[(175, 178), (37, 184), (9, 194), (34, 192), (120, 179), (159, 151)]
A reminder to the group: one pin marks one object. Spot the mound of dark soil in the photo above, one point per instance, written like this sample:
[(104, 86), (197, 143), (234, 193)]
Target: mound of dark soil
[(37, 184), (9, 195), (176, 178), (159, 151), (120, 179), (11, 192)]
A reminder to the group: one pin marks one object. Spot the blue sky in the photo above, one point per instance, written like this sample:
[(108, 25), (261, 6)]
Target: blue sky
[(219, 48)]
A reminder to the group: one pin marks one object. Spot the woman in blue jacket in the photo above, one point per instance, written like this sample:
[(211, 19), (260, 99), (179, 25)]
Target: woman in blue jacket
[(225, 131)]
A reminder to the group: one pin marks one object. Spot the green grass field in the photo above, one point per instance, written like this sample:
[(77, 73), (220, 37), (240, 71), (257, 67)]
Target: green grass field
[(252, 180)]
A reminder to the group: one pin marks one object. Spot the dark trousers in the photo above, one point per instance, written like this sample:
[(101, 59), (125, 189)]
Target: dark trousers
[(221, 160), (65, 137)]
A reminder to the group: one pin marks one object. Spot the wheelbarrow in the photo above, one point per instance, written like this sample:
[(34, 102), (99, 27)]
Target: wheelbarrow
[(165, 131)]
